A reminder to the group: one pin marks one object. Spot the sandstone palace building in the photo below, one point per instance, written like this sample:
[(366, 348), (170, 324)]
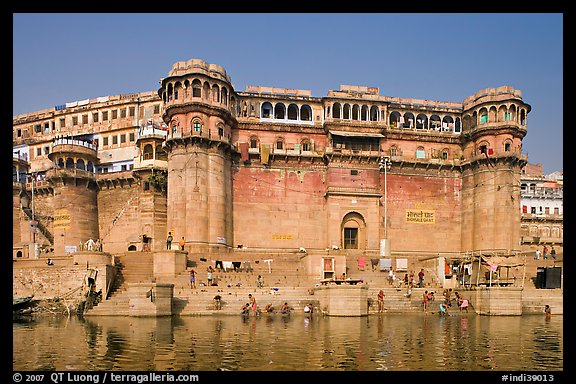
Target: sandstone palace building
[(270, 171)]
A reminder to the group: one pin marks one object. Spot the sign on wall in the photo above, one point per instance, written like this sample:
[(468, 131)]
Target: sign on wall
[(420, 216), (61, 219), (282, 236)]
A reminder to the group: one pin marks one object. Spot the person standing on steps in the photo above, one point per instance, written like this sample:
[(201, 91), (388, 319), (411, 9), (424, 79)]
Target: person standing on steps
[(169, 241), (209, 275), (381, 301), (182, 242), (421, 278), (192, 278), (253, 305)]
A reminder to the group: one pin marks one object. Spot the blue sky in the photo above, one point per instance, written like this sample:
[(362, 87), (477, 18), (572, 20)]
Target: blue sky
[(64, 57)]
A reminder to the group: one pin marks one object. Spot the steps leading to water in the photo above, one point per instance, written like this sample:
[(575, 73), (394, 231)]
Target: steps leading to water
[(286, 274)]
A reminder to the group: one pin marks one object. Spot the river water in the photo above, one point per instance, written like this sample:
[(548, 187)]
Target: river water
[(383, 342)]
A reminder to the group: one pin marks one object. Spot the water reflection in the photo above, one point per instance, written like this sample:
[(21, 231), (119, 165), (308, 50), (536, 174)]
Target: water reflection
[(390, 342)]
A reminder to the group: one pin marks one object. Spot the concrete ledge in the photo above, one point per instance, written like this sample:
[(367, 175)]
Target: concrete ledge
[(150, 299), (343, 300), (93, 258), (498, 301), (169, 263)]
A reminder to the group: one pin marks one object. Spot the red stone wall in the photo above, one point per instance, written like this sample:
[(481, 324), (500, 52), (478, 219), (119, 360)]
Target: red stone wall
[(438, 196)]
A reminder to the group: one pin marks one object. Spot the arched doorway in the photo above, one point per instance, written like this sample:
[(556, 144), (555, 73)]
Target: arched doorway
[(353, 231)]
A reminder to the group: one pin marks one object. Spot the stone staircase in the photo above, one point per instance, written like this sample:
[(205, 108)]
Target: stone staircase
[(284, 281), (133, 267), (533, 298)]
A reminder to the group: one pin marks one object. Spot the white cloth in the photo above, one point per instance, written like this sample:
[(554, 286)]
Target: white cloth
[(227, 265)]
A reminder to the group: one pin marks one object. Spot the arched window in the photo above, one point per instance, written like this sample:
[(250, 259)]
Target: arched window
[(483, 116), (492, 114), (279, 111), (355, 112), (306, 113), (503, 114), (447, 124), (70, 163), (364, 113), (292, 112), (206, 91), (467, 122), (336, 110), (186, 88), (421, 121), (483, 147), (148, 152), (177, 88), (435, 122), (507, 146), (374, 116), (254, 141), (197, 126), (196, 88), (216, 93), (394, 119), (457, 126), (224, 96), (346, 114), (305, 145), (170, 91), (523, 117), (512, 112), (353, 228), (408, 120), (280, 143), (80, 164), (266, 111), (420, 153), (445, 154)]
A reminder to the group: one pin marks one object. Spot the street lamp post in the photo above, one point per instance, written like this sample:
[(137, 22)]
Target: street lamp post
[(33, 223), (385, 165)]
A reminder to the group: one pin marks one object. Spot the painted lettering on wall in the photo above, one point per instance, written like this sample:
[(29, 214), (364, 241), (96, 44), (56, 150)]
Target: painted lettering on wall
[(420, 216), (61, 219), (282, 236)]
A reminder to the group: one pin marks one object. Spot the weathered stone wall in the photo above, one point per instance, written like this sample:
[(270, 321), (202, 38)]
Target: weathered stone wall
[(78, 203), (119, 218), (280, 207), (48, 281), (423, 212)]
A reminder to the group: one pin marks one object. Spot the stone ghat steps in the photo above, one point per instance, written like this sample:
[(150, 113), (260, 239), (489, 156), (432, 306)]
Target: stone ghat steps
[(533, 298), (244, 279), (200, 301), (136, 266), (117, 304)]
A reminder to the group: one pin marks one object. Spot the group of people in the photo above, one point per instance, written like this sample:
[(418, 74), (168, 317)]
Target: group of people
[(544, 253)]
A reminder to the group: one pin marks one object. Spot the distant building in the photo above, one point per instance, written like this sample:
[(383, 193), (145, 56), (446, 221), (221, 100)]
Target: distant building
[(541, 207)]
